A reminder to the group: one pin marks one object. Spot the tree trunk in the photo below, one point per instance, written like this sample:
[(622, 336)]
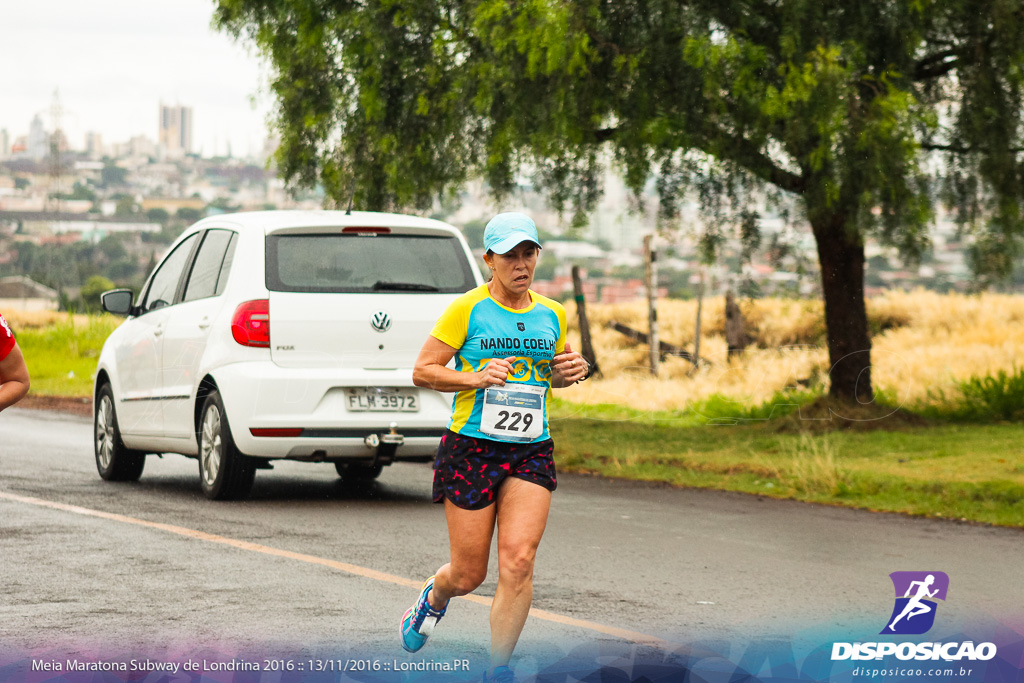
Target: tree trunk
[(841, 257)]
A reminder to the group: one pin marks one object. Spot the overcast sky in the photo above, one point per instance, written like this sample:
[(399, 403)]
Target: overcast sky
[(113, 63)]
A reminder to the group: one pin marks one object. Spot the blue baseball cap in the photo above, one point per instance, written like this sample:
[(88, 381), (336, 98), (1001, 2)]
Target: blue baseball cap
[(506, 230)]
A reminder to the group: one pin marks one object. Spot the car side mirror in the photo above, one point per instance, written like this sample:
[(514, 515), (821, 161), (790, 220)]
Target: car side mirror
[(117, 301)]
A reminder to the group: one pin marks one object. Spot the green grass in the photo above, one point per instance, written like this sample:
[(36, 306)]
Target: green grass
[(980, 399), (957, 471), (62, 358)]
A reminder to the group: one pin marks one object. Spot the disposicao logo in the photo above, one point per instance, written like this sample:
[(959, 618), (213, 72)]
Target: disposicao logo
[(914, 614), (914, 611)]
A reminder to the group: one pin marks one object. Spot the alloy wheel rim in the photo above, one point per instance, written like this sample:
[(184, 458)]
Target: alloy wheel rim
[(105, 432), (211, 445)]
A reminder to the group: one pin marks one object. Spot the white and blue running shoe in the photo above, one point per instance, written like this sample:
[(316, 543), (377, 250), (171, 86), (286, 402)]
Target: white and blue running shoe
[(500, 674), (420, 619)]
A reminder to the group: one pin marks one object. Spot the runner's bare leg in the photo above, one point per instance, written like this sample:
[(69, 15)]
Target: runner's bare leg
[(522, 515), (469, 537)]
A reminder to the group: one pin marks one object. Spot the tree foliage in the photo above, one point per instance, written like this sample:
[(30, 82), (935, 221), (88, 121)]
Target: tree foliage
[(91, 291), (68, 266), (865, 112), (188, 215)]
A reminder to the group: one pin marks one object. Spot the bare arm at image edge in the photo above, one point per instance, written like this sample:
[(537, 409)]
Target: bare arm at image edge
[(14, 381)]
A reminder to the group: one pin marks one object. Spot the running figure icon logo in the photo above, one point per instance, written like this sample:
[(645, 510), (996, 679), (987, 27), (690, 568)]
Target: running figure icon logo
[(914, 611)]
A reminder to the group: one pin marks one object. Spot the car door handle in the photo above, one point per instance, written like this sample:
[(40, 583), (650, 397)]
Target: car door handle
[(204, 323), (158, 330)]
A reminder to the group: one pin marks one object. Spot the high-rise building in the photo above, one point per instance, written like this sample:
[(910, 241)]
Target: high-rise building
[(5, 144), (94, 145), (38, 139), (186, 129), (175, 130)]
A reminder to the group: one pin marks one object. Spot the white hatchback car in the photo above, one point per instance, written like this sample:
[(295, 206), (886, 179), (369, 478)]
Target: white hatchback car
[(280, 334)]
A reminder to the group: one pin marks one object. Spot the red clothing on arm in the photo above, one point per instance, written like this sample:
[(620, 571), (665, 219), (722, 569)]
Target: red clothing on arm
[(6, 338)]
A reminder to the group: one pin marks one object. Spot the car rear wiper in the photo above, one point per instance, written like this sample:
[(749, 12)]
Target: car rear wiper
[(403, 286)]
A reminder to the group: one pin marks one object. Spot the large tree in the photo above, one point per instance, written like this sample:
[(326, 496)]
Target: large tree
[(865, 112)]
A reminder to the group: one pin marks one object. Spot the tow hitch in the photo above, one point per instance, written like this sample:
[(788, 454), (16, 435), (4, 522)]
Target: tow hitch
[(386, 444), (391, 438)]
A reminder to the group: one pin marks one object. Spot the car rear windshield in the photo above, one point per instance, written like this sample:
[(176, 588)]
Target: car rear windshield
[(367, 263)]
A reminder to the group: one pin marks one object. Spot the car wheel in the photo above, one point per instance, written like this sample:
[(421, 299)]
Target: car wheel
[(224, 472), (113, 460), (358, 470)]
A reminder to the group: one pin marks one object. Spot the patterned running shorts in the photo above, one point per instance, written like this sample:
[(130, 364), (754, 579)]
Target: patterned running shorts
[(469, 471)]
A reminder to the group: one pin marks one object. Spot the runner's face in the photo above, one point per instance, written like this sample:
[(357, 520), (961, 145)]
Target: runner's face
[(513, 270)]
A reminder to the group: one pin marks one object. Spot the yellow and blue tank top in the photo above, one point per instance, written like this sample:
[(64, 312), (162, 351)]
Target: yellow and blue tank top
[(480, 329)]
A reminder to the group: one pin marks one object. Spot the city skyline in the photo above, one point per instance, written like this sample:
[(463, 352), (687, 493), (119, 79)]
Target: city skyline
[(115, 62)]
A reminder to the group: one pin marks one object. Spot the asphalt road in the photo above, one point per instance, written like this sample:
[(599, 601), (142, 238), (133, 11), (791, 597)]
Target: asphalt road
[(293, 567)]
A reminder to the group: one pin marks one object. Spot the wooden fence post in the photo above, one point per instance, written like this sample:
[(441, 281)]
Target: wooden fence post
[(581, 312), (700, 306), (735, 333), (651, 281)]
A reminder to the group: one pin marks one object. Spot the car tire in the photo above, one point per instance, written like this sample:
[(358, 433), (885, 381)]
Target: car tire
[(224, 472), (358, 471), (114, 461)]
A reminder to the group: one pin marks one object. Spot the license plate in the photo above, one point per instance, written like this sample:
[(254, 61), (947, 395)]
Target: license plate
[(383, 400)]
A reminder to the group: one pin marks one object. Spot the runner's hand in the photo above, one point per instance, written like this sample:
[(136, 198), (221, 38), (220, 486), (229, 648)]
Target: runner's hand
[(495, 373), (570, 365)]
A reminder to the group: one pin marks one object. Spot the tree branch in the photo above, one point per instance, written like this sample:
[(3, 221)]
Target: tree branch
[(960, 149), (938, 64), (739, 150), (757, 20)]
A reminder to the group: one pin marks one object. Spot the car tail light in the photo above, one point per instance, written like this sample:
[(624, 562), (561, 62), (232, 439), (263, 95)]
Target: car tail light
[(250, 325), (275, 431)]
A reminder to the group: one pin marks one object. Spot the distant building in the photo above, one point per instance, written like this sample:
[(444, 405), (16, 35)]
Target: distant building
[(22, 294), (5, 144), (172, 204), (40, 225), (574, 251), (138, 147), (602, 290), (58, 141), (175, 130), (94, 145), (38, 140)]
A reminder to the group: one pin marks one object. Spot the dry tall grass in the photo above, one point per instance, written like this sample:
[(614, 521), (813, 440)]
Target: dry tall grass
[(924, 342), (25, 320)]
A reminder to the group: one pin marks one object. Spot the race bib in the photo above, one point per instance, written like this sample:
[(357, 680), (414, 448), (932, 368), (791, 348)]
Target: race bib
[(514, 412)]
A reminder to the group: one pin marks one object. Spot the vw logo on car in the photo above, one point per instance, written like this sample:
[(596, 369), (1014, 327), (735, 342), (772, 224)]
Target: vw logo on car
[(380, 321)]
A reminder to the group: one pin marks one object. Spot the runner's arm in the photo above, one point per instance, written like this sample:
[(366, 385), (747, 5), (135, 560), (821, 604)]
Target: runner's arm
[(14, 380), (431, 371)]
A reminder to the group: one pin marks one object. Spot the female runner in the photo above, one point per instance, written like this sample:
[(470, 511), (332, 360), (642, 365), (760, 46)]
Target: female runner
[(495, 466)]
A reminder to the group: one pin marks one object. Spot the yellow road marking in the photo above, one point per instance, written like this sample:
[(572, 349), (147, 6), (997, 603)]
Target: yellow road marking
[(624, 634)]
